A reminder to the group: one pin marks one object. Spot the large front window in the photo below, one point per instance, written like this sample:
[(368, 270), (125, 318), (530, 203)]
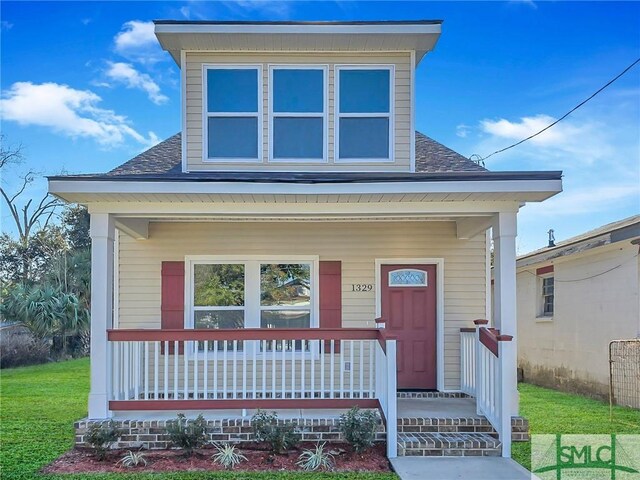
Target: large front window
[(233, 123), (252, 294), (364, 111)]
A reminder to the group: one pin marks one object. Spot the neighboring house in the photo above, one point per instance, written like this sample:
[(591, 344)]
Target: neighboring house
[(299, 165), (573, 299)]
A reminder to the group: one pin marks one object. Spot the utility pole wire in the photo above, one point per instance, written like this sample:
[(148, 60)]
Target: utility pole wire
[(562, 117)]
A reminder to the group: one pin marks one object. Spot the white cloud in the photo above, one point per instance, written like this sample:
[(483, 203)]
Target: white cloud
[(588, 200), (4, 25), (125, 73), (568, 142), (68, 111), (137, 42), (462, 130)]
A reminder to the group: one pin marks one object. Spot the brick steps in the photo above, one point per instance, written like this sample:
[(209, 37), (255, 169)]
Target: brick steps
[(455, 444)]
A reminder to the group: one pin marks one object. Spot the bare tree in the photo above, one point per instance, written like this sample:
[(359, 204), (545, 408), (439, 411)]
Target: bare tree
[(33, 214)]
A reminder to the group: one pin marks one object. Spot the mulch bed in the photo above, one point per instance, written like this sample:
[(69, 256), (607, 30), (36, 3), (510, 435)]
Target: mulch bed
[(258, 459)]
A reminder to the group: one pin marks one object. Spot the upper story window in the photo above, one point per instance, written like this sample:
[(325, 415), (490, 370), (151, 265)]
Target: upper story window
[(364, 106), (298, 113), (233, 125)]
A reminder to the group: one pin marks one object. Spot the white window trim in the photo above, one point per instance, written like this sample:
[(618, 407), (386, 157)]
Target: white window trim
[(402, 285), (337, 115), (206, 114), (252, 307), (324, 115), (440, 344)]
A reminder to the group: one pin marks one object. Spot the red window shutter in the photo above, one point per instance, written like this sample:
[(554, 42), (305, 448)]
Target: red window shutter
[(331, 297), (172, 302)]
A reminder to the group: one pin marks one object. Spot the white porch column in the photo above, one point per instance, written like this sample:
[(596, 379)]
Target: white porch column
[(504, 273), (102, 240)]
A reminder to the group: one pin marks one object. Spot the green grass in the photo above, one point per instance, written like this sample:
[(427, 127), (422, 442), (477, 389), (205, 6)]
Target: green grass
[(550, 411), (39, 404)]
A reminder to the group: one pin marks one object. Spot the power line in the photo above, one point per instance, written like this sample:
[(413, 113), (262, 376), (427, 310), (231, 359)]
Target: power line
[(590, 276), (475, 155)]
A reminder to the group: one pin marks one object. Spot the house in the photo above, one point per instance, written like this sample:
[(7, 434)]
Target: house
[(299, 164), (574, 298)]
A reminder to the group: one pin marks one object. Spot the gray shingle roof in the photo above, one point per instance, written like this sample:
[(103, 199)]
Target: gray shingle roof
[(165, 158)]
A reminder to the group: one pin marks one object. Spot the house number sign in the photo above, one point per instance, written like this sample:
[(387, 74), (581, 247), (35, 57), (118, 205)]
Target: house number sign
[(361, 287)]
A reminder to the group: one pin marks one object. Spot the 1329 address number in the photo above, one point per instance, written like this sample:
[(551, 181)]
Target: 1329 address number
[(361, 287)]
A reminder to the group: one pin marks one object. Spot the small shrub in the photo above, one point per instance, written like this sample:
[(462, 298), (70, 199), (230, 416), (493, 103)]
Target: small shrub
[(187, 434), (227, 456), (102, 436), (266, 429), (311, 460), (133, 459), (359, 428)]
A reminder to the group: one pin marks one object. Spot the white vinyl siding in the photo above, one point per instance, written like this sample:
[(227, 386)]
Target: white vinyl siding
[(356, 245), (401, 138)]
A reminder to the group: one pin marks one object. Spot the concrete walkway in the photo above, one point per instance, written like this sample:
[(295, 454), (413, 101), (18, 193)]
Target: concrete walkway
[(454, 468)]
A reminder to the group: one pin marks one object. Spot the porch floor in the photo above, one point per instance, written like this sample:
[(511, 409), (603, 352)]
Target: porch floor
[(407, 408)]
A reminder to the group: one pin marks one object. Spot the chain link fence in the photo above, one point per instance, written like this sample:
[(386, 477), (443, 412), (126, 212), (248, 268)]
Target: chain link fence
[(624, 373)]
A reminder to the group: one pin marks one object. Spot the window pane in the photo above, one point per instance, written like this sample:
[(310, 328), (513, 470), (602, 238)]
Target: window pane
[(232, 90), (298, 91), (297, 137), (407, 277), (218, 285), (233, 137), (364, 138), (364, 91), (285, 319), (219, 319), (285, 284)]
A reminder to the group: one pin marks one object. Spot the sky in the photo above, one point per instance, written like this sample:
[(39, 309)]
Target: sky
[(85, 86)]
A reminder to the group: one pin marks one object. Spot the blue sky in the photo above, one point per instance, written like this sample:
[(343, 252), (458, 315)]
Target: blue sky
[(85, 87)]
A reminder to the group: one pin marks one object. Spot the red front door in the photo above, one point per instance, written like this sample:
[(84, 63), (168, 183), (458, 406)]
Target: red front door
[(409, 309)]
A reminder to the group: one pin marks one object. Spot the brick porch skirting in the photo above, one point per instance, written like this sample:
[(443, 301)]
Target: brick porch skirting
[(152, 434)]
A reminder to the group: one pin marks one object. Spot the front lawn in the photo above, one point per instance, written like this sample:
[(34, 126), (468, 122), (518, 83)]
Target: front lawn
[(39, 404), (550, 411)]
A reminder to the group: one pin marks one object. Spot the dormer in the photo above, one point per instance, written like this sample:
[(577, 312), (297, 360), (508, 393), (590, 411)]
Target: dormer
[(298, 96)]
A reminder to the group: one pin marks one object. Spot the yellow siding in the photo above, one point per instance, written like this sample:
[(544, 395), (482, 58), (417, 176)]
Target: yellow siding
[(194, 109), (357, 245)]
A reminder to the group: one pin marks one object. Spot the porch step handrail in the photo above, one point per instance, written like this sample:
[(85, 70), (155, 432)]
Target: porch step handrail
[(483, 371), (186, 369)]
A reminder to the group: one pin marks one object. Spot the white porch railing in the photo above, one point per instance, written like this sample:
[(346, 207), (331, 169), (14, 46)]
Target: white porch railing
[(483, 376), (254, 368)]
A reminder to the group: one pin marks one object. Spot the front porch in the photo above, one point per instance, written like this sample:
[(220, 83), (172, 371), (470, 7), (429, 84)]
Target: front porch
[(144, 368), (310, 377)]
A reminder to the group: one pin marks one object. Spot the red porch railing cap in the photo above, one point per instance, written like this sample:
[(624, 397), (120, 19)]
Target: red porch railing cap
[(504, 338), (467, 330), (481, 321)]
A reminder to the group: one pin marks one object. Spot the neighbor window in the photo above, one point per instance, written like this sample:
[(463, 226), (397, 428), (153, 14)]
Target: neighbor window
[(298, 114), (547, 296), (364, 112), (233, 124)]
